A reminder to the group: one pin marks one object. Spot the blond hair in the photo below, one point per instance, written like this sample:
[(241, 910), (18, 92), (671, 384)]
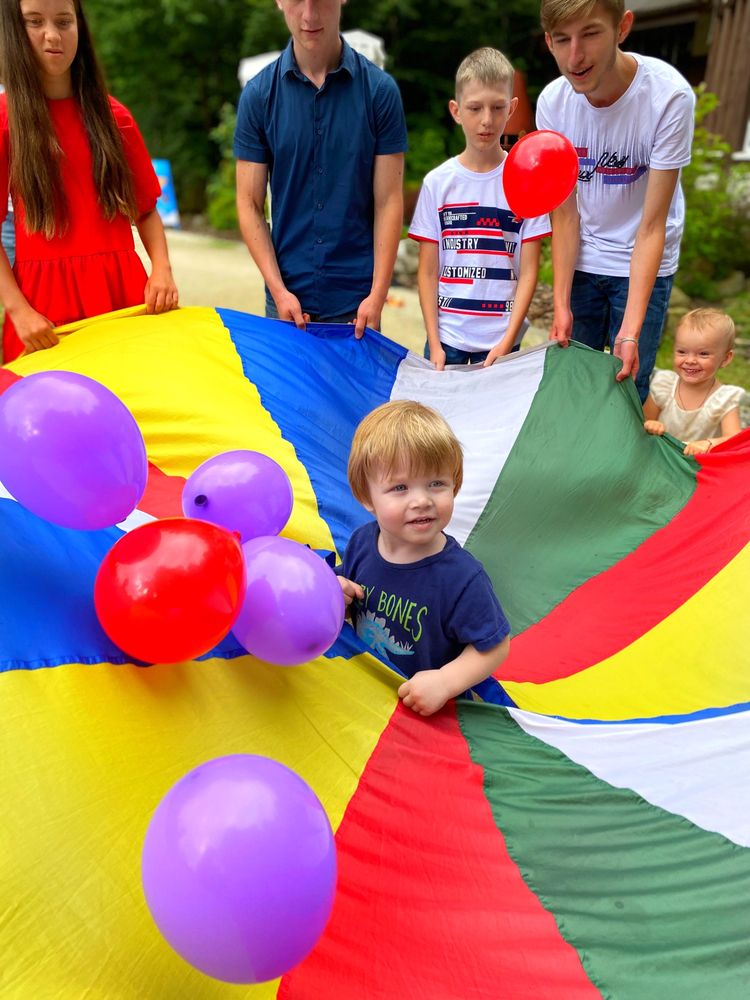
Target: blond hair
[(487, 66), (403, 433), (554, 12), (714, 320)]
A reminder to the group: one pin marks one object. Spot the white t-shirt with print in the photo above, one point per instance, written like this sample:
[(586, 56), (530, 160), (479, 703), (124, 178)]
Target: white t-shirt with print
[(649, 127), (479, 248)]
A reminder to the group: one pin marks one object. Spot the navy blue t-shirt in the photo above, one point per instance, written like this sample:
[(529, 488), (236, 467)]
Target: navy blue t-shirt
[(320, 146), (421, 615)]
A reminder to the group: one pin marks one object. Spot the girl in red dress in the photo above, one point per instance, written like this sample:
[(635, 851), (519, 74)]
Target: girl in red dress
[(79, 174)]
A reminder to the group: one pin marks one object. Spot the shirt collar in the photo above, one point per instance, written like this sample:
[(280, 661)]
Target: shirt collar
[(289, 64)]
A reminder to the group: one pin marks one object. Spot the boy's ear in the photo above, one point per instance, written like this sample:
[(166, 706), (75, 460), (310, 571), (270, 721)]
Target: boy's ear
[(624, 27), (548, 40), (455, 114), (513, 106), (727, 359)]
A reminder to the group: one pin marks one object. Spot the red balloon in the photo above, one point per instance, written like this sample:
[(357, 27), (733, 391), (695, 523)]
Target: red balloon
[(170, 590), (540, 172)]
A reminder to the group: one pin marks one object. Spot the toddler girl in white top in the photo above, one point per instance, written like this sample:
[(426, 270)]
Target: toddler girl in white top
[(690, 403)]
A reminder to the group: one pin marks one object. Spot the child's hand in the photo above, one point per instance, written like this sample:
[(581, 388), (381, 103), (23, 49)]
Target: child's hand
[(697, 447), (351, 590), (437, 357), (426, 692), (161, 292), (654, 427), (35, 331), (498, 351)]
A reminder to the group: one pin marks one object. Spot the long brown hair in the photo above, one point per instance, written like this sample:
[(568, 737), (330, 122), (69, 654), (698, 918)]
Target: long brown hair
[(34, 148)]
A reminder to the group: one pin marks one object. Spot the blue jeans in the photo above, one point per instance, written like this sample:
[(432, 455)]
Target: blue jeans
[(9, 238), (455, 356), (597, 302), (273, 313)]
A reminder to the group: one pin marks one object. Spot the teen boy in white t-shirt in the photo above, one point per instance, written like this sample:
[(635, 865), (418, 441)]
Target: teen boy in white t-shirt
[(615, 247), (478, 263)]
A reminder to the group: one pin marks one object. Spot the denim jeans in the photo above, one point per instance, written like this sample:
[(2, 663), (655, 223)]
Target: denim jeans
[(455, 356), (273, 313), (9, 238), (598, 301)]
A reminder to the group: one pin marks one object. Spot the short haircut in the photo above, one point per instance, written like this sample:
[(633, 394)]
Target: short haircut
[(554, 12), (403, 433), (487, 66), (714, 320)]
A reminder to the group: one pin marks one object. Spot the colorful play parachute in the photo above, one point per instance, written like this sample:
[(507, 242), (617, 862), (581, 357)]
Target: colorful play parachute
[(581, 832)]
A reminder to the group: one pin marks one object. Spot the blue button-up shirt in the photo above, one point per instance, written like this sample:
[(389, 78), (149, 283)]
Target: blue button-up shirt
[(320, 146)]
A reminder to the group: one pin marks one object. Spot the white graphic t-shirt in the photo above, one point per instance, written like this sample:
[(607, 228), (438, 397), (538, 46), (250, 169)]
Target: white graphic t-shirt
[(479, 245), (649, 127)]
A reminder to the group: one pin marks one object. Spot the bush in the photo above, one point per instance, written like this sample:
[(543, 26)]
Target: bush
[(221, 205), (716, 240)]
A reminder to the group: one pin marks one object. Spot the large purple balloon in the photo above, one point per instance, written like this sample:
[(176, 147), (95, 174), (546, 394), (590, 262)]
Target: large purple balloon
[(243, 491), (239, 868), (293, 608), (70, 450)]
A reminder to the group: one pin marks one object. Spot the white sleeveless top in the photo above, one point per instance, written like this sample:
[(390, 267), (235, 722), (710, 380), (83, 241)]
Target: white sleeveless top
[(692, 425)]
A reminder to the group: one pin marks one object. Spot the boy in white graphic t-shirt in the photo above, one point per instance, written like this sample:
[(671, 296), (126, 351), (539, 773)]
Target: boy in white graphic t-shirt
[(478, 263), (616, 241)]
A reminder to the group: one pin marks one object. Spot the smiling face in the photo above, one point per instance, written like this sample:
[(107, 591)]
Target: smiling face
[(411, 510), (52, 30), (482, 110), (699, 352), (586, 50)]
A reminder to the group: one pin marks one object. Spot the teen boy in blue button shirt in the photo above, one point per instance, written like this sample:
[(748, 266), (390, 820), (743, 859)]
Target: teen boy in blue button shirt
[(328, 127)]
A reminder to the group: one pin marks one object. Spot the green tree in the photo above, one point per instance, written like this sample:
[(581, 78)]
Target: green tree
[(716, 240), (174, 64), (425, 40)]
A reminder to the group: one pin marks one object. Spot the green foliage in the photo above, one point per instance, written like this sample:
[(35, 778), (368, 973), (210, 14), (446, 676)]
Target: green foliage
[(221, 207), (428, 146), (717, 228), (174, 64), (423, 51)]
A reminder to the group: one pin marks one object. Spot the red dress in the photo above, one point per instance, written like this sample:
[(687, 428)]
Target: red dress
[(92, 267)]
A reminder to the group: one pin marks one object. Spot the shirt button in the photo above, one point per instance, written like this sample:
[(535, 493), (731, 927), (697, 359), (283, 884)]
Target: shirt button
[(319, 131), (319, 240), (319, 206), (320, 170)]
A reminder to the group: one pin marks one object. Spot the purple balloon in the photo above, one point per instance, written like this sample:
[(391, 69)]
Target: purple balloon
[(70, 450), (293, 608), (243, 491), (239, 868)]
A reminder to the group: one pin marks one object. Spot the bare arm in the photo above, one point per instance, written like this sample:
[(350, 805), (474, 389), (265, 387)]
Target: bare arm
[(644, 266), (427, 283), (730, 425), (388, 194), (160, 293), (428, 690), (252, 180), (34, 330), (527, 279), (651, 413), (566, 234)]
